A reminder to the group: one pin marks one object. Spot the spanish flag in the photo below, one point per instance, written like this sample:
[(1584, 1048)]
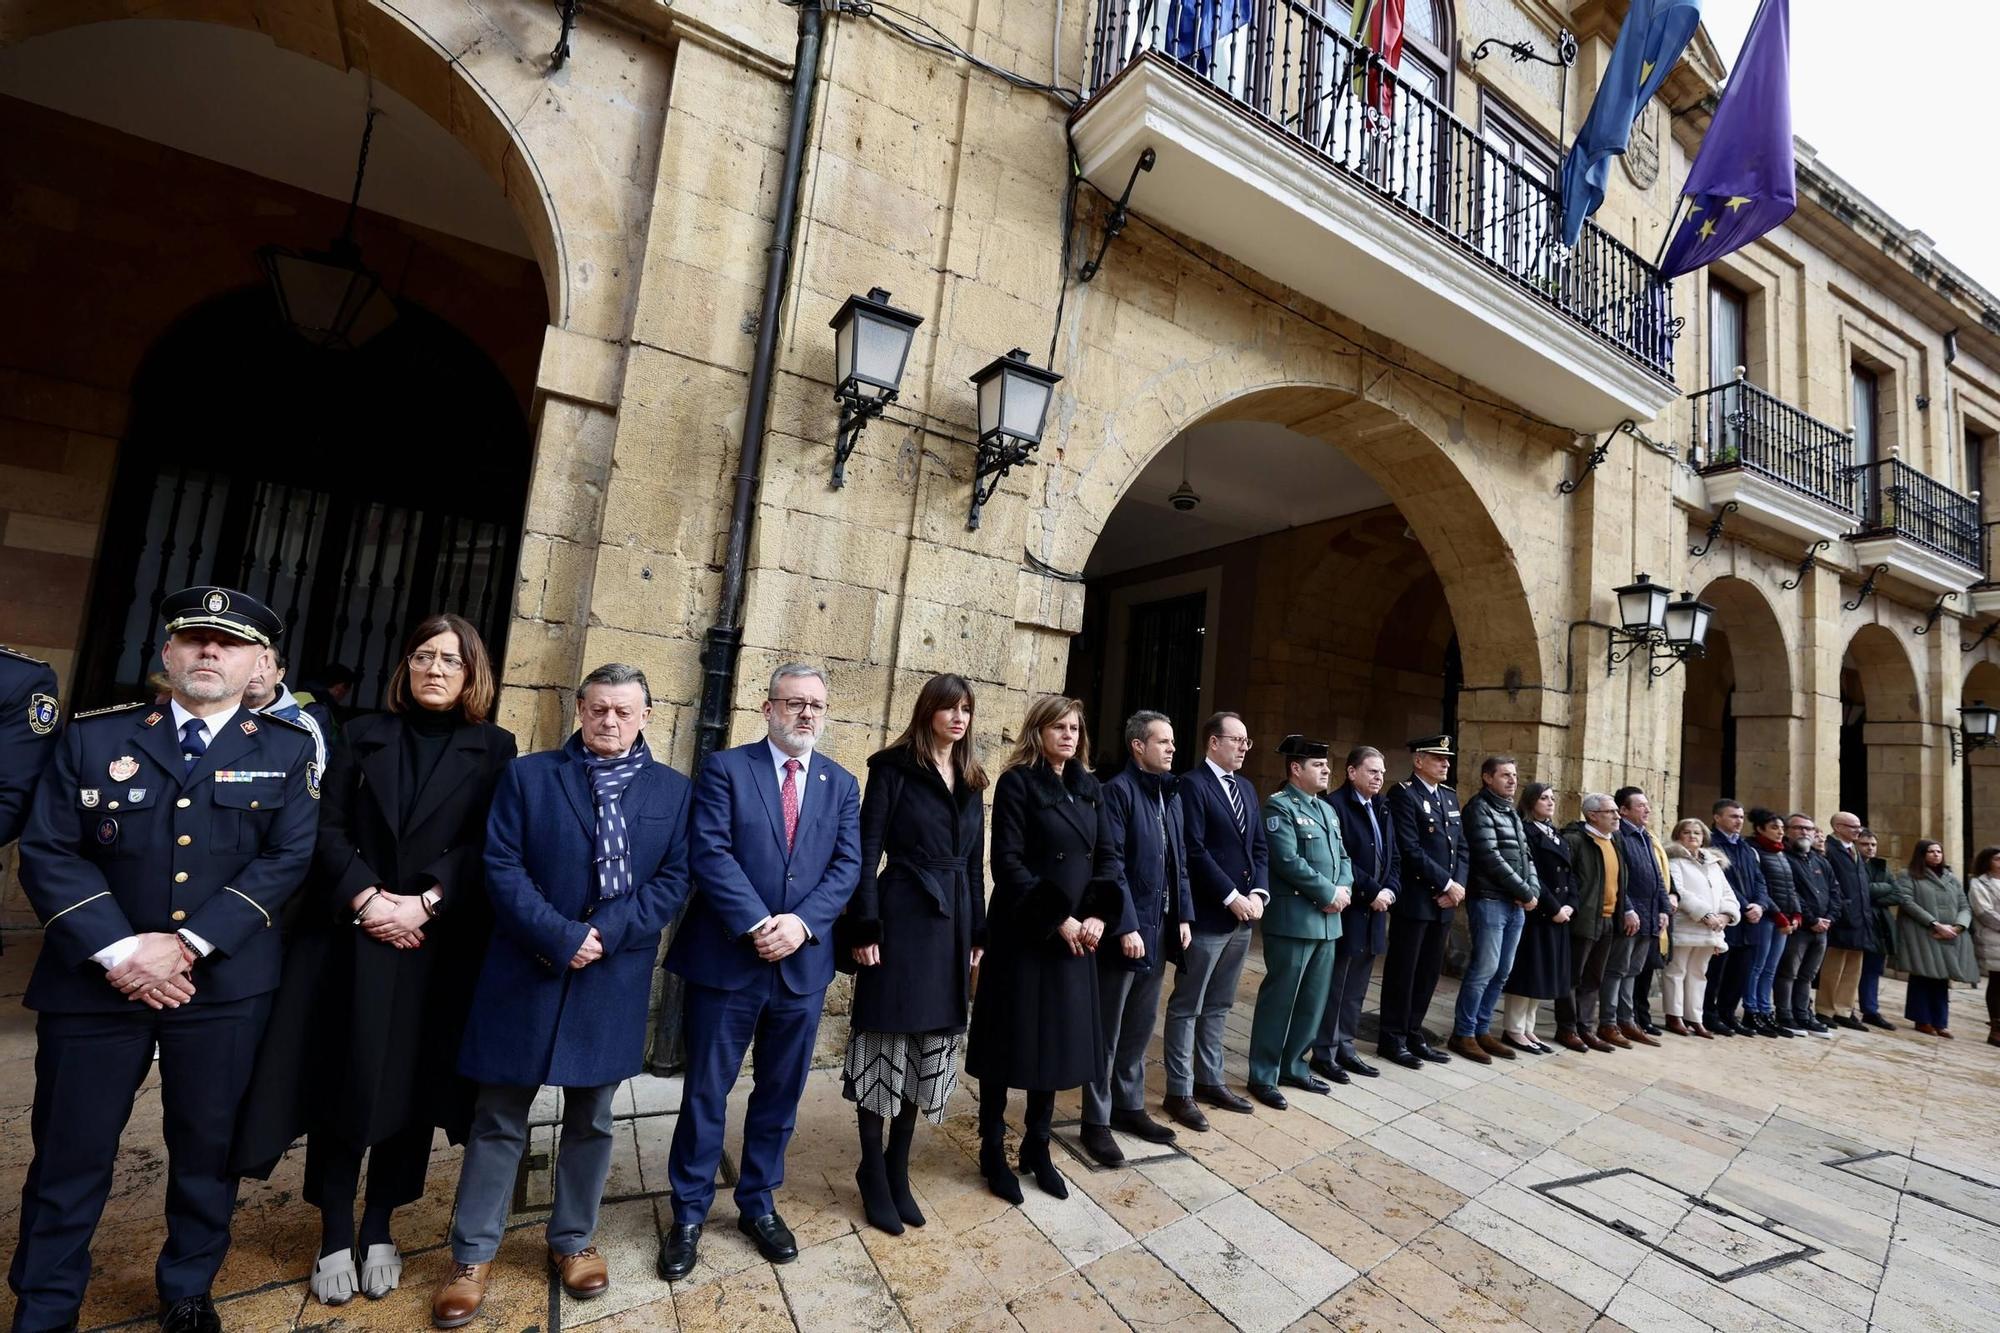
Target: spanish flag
[(1377, 25)]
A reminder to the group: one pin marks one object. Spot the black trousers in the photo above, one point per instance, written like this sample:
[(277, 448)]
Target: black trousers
[(88, 1068), (396, 1169), (1728, 979), (1410, 976)]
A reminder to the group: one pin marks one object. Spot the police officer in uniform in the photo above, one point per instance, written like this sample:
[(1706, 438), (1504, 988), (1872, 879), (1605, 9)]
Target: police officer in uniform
[(1311, 882), (160, 848), (28, 716), (1430, 838)]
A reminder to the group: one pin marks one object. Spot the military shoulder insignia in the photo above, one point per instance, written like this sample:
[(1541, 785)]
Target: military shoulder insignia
[(87, 797), (42, 713), (20, 656), (105, 712), (312, 780), (1274, 823), (152, 719)]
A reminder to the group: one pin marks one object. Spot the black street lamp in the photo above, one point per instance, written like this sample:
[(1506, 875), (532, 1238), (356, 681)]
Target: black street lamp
[(1014, 400), (1980, 725), (1675, 630), (330, 297), (871, 346), (1684, 633)]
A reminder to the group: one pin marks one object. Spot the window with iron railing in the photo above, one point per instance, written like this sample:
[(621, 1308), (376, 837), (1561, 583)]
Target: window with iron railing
[(1897, 498), (1738, 425)]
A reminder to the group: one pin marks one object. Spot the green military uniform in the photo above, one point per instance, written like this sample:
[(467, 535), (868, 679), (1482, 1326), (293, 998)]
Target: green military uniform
[(1309, 870)]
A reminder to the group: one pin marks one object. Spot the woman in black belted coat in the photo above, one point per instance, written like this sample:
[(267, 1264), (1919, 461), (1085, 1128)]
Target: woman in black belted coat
[(361, 1052), (1542, 962), (915, 928), (1035, 1023)]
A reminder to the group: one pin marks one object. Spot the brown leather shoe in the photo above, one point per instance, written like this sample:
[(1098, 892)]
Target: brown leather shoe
[(1946, 1034), (1637, 1035), (1570, 1041), (1593, 1041), (583, 1274), (457, 1302), (1701, 1032), (1678, 1028), (1468, 1048), (1493, 1046), (1611, 1036)]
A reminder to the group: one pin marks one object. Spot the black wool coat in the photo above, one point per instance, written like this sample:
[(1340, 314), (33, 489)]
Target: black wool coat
[(1542, 963), (1035, 1022), (363, 1039), (922, 897)]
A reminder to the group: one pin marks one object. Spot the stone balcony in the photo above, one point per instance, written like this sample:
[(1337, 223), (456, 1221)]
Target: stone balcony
[(1264, 147), (1780, 467), (1923, 531)]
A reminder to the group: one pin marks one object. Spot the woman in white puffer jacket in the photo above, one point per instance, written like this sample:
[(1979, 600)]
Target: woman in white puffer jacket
[(1705, 906)]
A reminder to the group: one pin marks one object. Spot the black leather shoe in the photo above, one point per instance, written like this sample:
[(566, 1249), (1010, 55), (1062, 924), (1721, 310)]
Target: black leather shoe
[(679, 1248), (773, 1237), (1354, 1064), (1425, 1051), (1399, 1056), (1270, 1096), (1103, 1149), (1877, 1021), (1310, 1083), (191, 1314), (1326, 1069), (1186, 1113), (1650, 1028), (1217, 1095), (1141, 1126)]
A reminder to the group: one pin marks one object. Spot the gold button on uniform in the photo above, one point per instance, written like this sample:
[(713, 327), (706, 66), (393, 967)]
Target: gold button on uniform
[(184, 840), (180, 876), (114, 805), (253, 805), (183, 803), (180, 916)]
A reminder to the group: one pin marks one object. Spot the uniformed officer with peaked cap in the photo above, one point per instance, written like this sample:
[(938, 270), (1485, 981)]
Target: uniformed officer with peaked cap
[(1430, 837), (161, 845)]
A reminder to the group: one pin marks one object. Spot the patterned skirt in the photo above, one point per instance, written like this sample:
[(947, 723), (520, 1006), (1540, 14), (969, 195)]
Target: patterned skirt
[(886, 1069)]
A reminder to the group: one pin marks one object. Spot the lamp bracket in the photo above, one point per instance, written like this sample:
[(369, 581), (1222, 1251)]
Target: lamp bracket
[(1867, 589), (1525, 51), (855, 414), (997, 457), (1120, 215), (1597, 455), (566, 11), (1674, 656), (1957, 744), (1984, 635), (1931, 616), (1714, 530), (1806, 564)]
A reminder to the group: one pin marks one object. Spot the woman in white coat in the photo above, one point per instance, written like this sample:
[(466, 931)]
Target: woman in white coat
[(1705, 907)]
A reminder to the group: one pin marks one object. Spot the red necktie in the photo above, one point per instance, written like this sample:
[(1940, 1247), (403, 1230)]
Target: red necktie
[(788, 795)]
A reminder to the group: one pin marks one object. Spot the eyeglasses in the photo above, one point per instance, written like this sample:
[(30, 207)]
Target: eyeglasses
[(801, 707), (1243, 741), (425, 660)]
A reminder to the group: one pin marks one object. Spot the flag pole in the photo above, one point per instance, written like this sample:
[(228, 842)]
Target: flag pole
[(1672, 223)]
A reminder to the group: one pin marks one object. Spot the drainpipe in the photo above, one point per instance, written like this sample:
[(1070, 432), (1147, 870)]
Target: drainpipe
[(724, 639)]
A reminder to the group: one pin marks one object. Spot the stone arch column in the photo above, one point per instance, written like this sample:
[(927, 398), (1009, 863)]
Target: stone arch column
[(1897, 738)]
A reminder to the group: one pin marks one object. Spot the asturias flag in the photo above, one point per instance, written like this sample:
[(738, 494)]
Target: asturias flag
[(1378, 25), (1742, 182), (1648, 47)]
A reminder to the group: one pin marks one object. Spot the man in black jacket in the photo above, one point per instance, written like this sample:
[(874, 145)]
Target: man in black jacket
[(1504, 889), (1227, 874), (1430, 839), (1805, 950), (1140, 848), (1370, 836), (1729, 975)]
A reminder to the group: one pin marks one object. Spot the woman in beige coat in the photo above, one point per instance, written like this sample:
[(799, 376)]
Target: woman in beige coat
[(1706, 906), (1984, 890)]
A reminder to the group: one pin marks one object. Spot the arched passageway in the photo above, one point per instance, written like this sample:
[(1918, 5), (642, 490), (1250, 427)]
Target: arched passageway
[(1738, 708), (1981, 774), (1882, 740)]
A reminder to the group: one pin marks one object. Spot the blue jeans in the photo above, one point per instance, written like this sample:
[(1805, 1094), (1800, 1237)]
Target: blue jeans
[(1872, 964), (1766, 946), (1496, 933)]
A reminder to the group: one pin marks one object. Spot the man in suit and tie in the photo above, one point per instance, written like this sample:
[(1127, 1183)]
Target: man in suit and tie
[(1227, 871), (776, 853), (162, 844), (1370, 836), (1430, 839)]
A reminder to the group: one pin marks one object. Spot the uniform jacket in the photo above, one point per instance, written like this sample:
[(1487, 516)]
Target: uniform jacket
[(1309, 865), (1924, 899), (534, 1018), (216, 851), (29, 715), (1154, 895), (1588, 922), (1854, 909), (742, 872), (1430, 840), (1502, 866), (1377, 867), (1222, 859), (926, 906)]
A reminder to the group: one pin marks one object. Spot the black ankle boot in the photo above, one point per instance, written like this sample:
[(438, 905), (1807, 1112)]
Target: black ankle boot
[(1035, 1161), (901, 1130), (1000, 1177), (872, 1179)]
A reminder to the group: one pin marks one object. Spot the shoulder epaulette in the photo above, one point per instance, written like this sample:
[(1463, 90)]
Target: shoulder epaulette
[(299, 727), (5, 651), (114, 708)]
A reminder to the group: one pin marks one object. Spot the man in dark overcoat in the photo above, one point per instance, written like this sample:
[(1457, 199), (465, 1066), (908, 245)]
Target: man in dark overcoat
[(1435, 862), (1370, 836), (162, 845), (586, 863)]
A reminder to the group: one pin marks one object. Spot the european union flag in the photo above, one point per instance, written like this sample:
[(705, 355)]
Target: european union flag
[(1193, 27), (1743, 181), (1648, 46)]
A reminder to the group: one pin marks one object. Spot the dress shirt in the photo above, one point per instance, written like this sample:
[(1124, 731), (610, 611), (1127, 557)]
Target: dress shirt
[(778, 761), (1225, 777)]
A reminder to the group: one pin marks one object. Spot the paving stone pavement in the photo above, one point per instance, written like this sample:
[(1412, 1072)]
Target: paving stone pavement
[(1740, 1184)]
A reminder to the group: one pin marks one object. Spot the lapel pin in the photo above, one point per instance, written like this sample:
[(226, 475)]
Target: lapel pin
[(249, 727), (87, 796), (124, 768), (152, 719)]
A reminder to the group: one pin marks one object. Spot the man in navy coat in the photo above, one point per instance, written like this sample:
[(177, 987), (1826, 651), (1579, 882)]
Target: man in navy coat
[(161, 847), (1370, 834), (586, 863), (776, 855)]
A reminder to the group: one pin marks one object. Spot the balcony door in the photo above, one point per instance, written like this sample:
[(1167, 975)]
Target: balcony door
[(1728, 348), (1866, 393)]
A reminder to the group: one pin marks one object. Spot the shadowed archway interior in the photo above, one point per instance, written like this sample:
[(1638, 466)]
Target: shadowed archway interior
[(1882, 739), (1738, 708)]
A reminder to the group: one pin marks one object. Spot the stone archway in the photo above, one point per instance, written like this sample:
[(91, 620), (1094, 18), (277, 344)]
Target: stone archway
[(1883, 741), (1982, 767), (1739, 710)]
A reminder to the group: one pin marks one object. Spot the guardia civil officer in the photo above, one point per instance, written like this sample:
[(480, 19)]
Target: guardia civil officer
[(28, 715), (161, 846), (1435, 863)]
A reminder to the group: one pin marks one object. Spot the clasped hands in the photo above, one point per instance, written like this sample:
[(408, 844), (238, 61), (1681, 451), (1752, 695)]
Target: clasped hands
[(1081, 936), (156, 974), (1453, 895), (394, 919)]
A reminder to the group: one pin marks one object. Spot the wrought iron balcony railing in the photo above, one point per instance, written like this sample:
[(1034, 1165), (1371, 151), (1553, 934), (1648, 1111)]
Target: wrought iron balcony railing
[(1298, 73), (1738, 425), (1990, 545), (1896, 498)]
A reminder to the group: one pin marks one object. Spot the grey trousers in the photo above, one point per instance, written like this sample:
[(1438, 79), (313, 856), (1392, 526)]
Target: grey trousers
[(1127, 1002), (1635, 967), (493, 1156), (1204, 989), (1597, 1003), (1792, 992), (1343, 1006)]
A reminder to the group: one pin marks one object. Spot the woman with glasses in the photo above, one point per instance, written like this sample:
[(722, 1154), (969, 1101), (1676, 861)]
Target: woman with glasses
[(1705, 907), (361, 1053), (1543, 968), (1035, 1023), (1933, 918)]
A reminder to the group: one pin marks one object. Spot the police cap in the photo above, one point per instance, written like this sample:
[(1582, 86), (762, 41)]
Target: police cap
[(226, 609), (1432, 745), (1298, 747)]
